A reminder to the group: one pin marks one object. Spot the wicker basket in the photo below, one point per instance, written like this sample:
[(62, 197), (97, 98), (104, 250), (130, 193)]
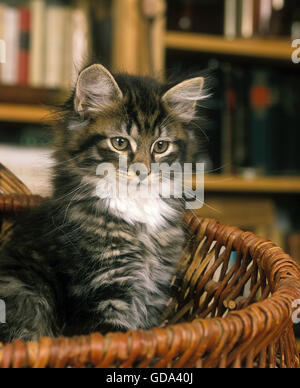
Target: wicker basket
[(233, 307)]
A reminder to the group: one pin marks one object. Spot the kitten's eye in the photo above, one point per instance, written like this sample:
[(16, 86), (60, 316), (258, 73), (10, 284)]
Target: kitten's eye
[(161, 147), (119, 143)]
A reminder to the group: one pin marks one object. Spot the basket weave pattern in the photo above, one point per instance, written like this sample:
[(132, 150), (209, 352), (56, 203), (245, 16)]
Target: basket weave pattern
[(232, 307)]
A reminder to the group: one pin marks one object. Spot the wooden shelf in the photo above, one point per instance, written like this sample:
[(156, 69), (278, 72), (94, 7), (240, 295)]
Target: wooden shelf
[(236, 184), (280, 49), (24, 113)]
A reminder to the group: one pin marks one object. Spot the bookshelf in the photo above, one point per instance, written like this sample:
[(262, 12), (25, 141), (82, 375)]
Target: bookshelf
[(247, 72), (277, 49), (25, 104), (24, 113), (129, 45), (261, 185)]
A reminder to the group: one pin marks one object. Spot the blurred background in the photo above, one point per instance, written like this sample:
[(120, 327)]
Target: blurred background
[(247, 50)]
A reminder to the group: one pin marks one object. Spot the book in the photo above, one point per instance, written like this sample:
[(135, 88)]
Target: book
[(101, 32), (265, 17), (240, 120), (229, 111), (230, 19), (80, 39), (48, 41), (264, 122), (237, 18), (2, 42), (247, 18), (295, 28), (67, 59), (289, 105), (54, 45), (251, 121), (256, 17), (11, 26), (37, 41), (285, 14), (202, 16), (2, 10), (24, 45)]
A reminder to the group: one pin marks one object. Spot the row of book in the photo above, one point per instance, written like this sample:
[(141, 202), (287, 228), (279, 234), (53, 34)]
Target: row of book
[(259, 120), (236, 18), (250, 122), (46, 41)]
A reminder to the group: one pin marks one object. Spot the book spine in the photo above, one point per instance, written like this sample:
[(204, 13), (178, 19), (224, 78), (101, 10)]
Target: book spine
[(67, 53), (260, 121), (37, 43), (229, 111), (11, 27), (240, 141), (247, 16), (54, 46), (2, 42), (265, 16), (256, 17), (239, 19), (23, 69), (230, 19), (2, 10), (80, 40), (289, 95)]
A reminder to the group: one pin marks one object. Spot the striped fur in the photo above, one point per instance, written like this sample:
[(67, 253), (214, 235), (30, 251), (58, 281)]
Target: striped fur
[(81, 263)]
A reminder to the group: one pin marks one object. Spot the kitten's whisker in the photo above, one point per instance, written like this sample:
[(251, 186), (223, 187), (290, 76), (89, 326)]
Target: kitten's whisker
[(217, 169), (203, 203), (71, 192), (167, 120), (72, 199), (64, 233), (202, 131), (58, 164)]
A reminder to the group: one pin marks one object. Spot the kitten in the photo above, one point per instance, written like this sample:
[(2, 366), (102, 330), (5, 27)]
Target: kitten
[(88, 260)]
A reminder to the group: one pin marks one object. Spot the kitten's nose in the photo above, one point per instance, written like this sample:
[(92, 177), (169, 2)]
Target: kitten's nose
[(142, 176)]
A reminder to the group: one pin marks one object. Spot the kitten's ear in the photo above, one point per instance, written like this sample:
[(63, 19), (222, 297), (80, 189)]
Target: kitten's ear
[(182, 98), (96, 89)]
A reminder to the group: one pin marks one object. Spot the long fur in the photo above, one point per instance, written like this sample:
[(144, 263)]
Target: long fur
[(81, 263)]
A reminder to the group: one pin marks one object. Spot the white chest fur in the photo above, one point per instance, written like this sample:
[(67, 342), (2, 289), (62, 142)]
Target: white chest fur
[(137, 206), (149, 211)]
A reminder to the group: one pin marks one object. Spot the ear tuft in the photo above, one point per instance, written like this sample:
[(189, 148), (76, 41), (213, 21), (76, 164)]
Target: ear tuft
[(96, 89), (182, 98)]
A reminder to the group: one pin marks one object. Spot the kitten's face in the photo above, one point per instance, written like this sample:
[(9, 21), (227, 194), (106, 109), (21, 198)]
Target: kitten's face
[(132, 118), (144, 138)]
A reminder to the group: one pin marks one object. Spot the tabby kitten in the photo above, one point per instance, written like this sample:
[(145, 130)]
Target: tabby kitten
[(88, 260)]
